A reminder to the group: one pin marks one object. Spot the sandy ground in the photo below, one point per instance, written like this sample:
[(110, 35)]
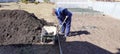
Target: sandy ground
[(90, 34), (93, 34)]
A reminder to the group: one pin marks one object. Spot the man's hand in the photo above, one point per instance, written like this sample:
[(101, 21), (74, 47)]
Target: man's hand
[(66, 17)]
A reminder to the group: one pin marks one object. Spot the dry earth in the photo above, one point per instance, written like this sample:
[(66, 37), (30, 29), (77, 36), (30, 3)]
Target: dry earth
[(90, 34), (93, 34)]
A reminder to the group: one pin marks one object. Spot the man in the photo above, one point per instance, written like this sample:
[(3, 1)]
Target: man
[(63, 14)]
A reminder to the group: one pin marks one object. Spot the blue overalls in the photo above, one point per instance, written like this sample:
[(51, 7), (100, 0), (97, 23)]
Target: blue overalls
[(61, 14)]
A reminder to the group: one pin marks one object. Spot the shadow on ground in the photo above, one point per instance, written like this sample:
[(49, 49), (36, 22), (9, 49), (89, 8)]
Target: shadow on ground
[(74, 33), (74, 47), (81, 47), (118, 51), (28, 49)]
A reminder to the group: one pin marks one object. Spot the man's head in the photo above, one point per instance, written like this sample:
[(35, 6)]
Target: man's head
[(53, 11)]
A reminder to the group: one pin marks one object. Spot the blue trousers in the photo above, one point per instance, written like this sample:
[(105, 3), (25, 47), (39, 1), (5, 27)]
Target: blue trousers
[(66, 26)]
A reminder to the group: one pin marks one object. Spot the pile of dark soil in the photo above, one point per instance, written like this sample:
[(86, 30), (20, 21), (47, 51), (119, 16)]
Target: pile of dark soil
[(19, 27)]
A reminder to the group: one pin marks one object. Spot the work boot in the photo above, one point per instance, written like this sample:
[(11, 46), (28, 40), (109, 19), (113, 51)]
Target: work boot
[(65, 36), (61, 33)]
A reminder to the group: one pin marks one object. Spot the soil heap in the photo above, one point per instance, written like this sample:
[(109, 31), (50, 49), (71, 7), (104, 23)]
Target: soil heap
[(19, 27)]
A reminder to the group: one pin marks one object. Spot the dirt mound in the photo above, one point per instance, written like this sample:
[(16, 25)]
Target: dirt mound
[(19, 27)]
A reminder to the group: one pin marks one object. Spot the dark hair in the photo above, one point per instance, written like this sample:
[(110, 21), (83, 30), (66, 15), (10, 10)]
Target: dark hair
[(64, 12)]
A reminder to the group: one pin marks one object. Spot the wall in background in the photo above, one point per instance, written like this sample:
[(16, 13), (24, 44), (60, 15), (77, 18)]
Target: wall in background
[(108, 8)]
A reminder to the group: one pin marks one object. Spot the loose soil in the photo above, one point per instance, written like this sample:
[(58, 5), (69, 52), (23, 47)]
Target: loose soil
[(20, 33), (19, 27)]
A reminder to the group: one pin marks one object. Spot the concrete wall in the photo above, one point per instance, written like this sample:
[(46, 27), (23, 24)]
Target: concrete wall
[(108, 8), (40, 0), (72, 4), (43, 0), (71, 0)]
